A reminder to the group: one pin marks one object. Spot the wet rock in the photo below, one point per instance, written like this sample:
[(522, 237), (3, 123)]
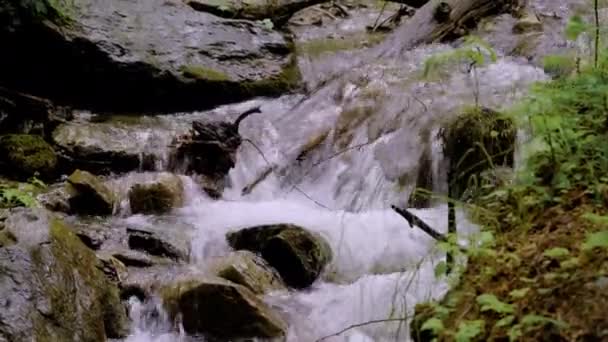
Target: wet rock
[(154, 244), (208, 150), (248, 269), (529, 22), (26, 114), (101, 148), (221, 309), (56, 199), (114, 269), (52, 285), (88, 195), (158, 197), (142, 55), (298, 255), (23, 156)]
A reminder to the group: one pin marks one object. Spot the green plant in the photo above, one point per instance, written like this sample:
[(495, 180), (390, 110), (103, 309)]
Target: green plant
[(20, 194), (473, 53)]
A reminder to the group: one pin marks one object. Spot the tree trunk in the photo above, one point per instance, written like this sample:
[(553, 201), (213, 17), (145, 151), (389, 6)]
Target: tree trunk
[(438, 20)]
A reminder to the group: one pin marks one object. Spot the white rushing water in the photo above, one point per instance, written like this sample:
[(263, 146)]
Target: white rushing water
[(338, 159), (381, 267)]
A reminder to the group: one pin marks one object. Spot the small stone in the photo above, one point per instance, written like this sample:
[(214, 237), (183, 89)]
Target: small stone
[(158, 197), (153, 244), (88, 194), (247, 269), (529, 22)]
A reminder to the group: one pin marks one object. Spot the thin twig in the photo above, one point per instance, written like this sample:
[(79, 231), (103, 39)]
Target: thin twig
[(358, 325)]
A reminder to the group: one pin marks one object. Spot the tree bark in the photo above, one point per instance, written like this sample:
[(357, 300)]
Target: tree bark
[(431, 23)]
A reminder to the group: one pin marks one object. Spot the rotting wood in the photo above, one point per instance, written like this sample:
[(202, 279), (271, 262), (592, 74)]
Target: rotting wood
[(423, 28)]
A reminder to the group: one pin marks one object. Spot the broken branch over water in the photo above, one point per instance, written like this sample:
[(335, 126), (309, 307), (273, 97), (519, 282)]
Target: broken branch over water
[(414, 220)]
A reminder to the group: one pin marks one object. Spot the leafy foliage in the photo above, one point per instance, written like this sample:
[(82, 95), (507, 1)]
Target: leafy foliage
[(21, 194), (489, 302), (468, 330)]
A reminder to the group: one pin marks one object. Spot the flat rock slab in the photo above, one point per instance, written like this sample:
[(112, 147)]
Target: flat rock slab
[(147, 55)]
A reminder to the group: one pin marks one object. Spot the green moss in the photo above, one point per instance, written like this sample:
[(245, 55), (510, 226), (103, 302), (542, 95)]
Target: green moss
[(479, 139), (27, 155), (203, 73), (318, 47), (287, 80)]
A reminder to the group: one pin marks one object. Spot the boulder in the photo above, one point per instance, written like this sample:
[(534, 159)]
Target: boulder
[(158, 197), (88, 194), (154, 243), (140, 55), (23, 156), (221, 309), (100, 147), (249, 270), (297, 254), (52, 285)]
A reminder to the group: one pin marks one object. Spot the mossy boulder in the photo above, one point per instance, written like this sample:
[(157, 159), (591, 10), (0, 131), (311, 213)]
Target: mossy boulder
[(52, 286), (158, 197), (23, 156), (221, 309), (89, 195), (296, 253), (248, 269), (477, 140)]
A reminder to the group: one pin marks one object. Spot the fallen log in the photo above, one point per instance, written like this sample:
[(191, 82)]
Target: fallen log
[(441, 19)]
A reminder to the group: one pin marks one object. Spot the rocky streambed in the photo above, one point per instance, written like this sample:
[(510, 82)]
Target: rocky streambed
[(266, 218)]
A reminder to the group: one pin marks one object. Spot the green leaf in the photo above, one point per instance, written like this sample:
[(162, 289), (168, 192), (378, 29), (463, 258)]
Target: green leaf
[(557, 253), (489, 302), (519, 293), (504, 322), (435, 325), (536, 320), (468, 330), (441, 269), (575, 27), (515, 333), (599, 239)]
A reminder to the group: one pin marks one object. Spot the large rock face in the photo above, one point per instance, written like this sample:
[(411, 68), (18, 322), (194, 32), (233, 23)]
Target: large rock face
[(52, 286), (134, 55), (298, 255), (221, 309)]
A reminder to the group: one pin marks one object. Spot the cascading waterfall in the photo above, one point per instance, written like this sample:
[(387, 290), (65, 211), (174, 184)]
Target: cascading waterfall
[(333, 162)]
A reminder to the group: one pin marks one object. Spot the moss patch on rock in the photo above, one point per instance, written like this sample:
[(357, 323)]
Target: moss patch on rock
[(199, 72), (158, 197), (479, 139), (23, 156), (52, 285)]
